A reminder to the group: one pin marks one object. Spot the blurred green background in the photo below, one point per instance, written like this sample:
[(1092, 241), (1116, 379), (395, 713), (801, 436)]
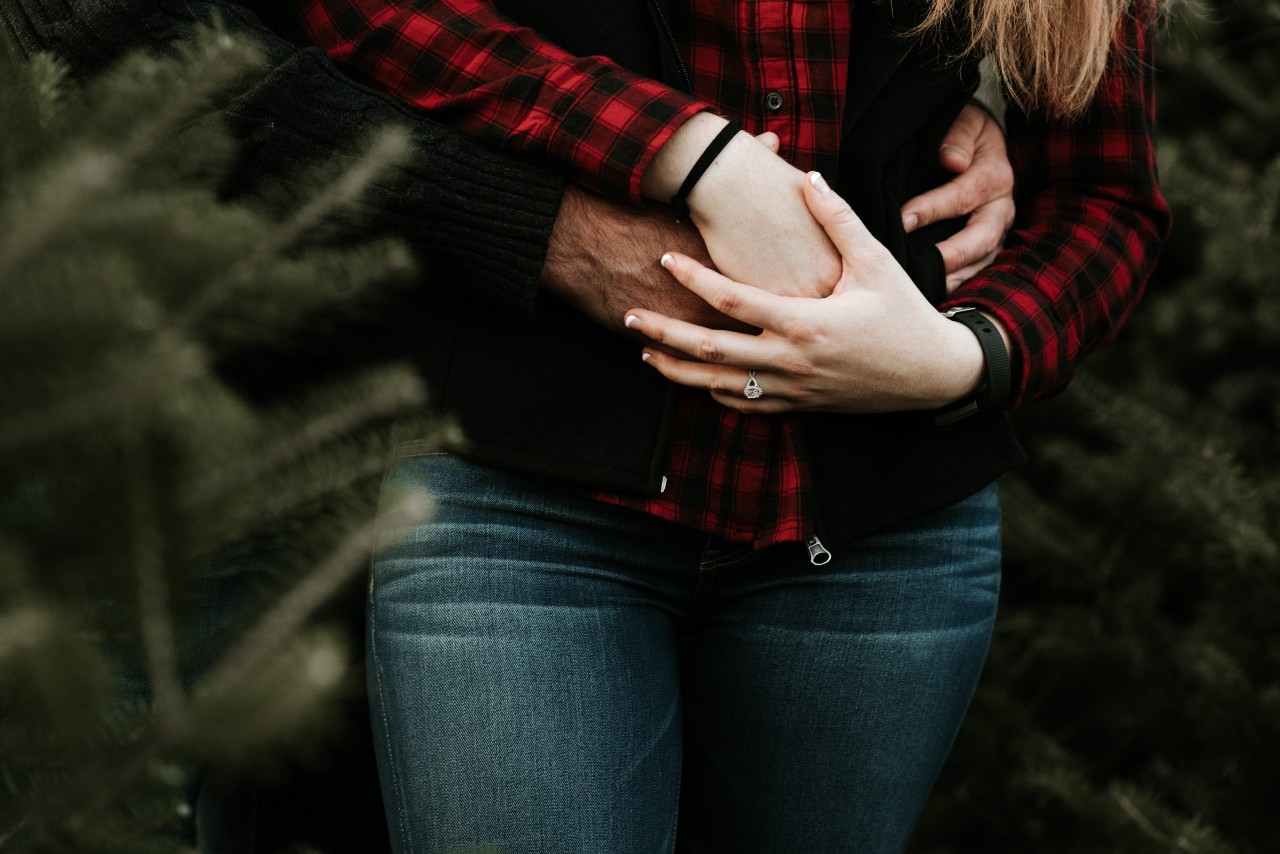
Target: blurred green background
[(1131, 701)]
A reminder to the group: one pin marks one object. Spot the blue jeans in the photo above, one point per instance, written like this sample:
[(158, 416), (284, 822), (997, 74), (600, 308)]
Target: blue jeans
[(553, 674)]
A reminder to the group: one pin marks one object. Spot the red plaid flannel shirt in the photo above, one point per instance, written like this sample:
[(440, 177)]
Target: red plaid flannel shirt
[(1073, 267)]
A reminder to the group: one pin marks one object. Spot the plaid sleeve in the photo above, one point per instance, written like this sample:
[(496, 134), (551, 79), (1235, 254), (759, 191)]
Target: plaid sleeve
[(1090, 222), (503, 84)]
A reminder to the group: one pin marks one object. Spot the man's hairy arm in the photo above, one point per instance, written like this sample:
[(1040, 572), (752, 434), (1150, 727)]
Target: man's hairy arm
[(603, 259)]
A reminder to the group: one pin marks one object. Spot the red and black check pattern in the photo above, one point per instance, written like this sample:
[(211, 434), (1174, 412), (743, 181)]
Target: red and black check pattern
[(504, 84), (778, 66), (1089, 219)]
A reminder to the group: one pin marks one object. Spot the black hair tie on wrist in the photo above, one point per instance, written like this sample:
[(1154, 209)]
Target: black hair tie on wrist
[(680, 199)]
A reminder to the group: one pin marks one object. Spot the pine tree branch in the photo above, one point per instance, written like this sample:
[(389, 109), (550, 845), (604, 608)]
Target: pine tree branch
[(74, 186), (22, 629), (388, 148), (170, 367), (1233, 88), (60, 197), (95, 784), (98, 783), (284, 619), (241, 521), (1148, 827), (386, 400), (153, 595)]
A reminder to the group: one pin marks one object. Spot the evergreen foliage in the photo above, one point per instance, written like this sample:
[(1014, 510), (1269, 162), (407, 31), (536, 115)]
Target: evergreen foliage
[(137, 482), (1131, 702)]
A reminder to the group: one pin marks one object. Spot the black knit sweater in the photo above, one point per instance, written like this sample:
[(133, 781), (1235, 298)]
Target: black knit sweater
[(468, 213)]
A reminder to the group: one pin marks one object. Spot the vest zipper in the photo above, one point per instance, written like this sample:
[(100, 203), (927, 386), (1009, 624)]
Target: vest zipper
[(671, 41), (662, 457), (818, 554)]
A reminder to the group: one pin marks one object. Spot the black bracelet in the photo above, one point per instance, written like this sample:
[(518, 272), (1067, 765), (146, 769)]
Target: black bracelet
[(680, 199), (996, 388)]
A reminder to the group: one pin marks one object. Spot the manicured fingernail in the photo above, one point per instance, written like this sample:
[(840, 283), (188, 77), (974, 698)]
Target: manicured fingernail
[(819, 183), (910, 221), (668, 261), (646, 356), (631, 319)]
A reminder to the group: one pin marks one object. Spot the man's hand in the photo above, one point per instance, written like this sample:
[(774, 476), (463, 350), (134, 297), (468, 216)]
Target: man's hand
[(983, 188), (602, 260)]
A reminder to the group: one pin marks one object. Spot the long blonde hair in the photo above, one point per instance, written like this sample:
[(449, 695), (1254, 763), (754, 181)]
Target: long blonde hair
[(1050, 53)]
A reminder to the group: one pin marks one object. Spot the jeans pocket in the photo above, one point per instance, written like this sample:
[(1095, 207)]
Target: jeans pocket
[(397, 480)]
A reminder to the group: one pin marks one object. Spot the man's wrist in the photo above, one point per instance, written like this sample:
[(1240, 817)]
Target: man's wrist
[(564, 244)]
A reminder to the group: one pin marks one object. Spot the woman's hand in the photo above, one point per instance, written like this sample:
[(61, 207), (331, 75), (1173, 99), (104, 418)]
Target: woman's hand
[(749, 208), (874, 345)]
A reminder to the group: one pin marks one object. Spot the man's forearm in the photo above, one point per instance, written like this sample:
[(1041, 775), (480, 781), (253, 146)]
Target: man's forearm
[(603, 259)]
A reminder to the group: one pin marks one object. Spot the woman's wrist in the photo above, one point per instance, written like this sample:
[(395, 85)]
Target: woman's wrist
[(671, 165), (969, 370), (960, 368)]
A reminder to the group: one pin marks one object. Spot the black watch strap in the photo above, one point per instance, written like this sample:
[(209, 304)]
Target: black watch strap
[(995, 392)]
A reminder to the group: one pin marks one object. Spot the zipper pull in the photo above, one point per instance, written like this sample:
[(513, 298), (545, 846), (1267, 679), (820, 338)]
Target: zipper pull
[(662, 487), (818, 554)]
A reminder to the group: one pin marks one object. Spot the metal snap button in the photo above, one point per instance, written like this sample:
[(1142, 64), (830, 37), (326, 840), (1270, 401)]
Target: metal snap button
[(773, 101)]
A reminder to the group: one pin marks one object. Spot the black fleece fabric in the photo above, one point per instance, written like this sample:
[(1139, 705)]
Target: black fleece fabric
[(534, 385)]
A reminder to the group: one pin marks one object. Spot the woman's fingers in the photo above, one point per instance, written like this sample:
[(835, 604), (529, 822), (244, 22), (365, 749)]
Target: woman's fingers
[(748, 304), (843, 227), (726, 384), (709, 346)]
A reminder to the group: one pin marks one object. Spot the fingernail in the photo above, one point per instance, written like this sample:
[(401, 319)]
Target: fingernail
[(668, 261), (954, 150), (910, 221), (645, 357), (819, 183), (631, 318)]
